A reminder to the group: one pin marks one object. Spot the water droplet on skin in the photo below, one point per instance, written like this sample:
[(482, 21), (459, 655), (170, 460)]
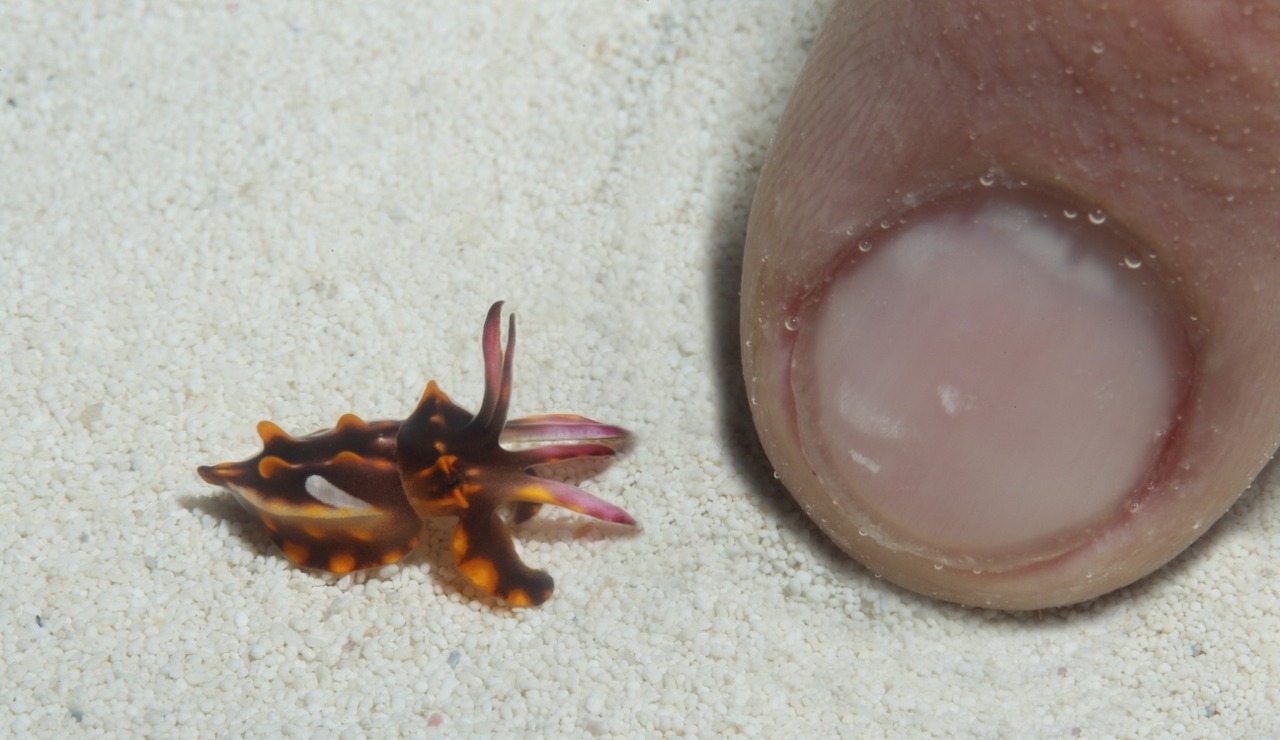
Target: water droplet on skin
[(862, 532), (864, 245), (776, 475), (886, 224), (793, 321), (937, 566), (1133, 507), (1098, 47), (987, 180), (1070, 213), (1098, 217), (1132, 261)]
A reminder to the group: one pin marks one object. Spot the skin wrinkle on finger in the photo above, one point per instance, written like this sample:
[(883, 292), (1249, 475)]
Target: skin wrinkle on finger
[(1163, 130)]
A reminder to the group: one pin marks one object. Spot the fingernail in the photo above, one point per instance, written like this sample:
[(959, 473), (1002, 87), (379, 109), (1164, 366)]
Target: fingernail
[(993, 381)]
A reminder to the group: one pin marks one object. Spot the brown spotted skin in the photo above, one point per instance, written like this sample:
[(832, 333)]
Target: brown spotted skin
[(355, 496)]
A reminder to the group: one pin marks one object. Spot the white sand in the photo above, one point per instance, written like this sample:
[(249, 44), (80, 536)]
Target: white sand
[(215, 213)]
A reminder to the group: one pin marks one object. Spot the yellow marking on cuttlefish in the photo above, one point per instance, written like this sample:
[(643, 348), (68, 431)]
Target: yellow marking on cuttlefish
[(269, 432), (519, 597), (537, 495), (362, 534), (447, 465), (433, 391), (350, 421), (269, 467), (342, 562), (295, 551), (347, 457), (481, 572)]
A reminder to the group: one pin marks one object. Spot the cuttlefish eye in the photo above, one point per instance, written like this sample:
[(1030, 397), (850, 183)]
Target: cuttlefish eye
[(1003, 354)]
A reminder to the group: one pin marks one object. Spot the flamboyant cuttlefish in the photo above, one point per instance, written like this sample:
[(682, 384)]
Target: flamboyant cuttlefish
[(355, 496)]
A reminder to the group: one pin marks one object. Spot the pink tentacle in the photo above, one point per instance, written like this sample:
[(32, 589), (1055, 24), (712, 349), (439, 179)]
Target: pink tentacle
[(560, 427), (543, 491), (490, 343), (496, 423), (555, 453)]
